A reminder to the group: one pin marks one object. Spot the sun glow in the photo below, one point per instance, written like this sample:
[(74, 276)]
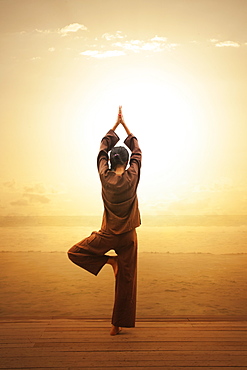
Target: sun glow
[(185, 104), (165, 116)]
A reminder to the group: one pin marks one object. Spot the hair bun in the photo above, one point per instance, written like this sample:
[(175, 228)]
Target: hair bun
[(118, 156)]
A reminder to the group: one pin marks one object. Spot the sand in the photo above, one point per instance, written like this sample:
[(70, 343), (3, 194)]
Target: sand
[(40, 284)]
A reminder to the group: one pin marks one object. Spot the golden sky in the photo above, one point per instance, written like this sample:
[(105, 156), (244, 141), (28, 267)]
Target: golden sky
[(179, 70)]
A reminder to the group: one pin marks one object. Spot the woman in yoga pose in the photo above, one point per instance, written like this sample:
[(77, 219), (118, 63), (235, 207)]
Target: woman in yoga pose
[(120, 219)]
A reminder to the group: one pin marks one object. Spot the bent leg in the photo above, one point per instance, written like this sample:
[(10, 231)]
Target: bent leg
[(89, 253), (124, 310)]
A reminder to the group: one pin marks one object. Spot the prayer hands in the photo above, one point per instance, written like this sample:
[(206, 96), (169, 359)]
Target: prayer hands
[(120, 115), (120, 119)]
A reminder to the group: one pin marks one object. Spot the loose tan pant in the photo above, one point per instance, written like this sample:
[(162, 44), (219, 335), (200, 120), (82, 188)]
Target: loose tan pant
[(90, 255)]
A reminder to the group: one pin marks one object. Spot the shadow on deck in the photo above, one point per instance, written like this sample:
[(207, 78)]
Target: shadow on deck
[(163, 343)]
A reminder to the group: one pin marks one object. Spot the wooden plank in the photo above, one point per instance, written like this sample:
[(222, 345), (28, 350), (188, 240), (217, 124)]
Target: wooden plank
[(80, 327), (151, 353), (42, 368), (121, 338), (16, 340), (24, 320), (126, 334), (69, 324), (17, 345), (61, 322), (168, 329), (157, 368), (146, 335), (121, 360), (190, 325), (21, 333), (108, 323), (147, 345), (219, 323), (175, 318), (105, 322), (53, 368), (126, 338), (9, 325), (130, 330)]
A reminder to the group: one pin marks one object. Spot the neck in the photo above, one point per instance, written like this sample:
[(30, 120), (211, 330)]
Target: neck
[(119, 170)]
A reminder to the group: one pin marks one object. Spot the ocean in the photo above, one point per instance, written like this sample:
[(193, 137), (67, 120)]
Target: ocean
[(157, 234)]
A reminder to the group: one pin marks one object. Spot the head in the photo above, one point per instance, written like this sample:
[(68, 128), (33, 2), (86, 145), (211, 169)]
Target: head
[(119, 156)]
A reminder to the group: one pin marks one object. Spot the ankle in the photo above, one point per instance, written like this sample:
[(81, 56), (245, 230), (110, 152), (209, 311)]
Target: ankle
[(110, 261)]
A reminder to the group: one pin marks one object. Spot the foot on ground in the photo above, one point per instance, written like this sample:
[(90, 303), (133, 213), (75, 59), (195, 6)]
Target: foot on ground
[(115, 330)]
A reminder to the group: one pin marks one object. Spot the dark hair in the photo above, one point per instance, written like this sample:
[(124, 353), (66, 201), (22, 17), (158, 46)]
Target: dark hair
[(118, 156)]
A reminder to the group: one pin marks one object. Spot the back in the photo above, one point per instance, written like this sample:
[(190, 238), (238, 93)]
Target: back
[(121, 212)]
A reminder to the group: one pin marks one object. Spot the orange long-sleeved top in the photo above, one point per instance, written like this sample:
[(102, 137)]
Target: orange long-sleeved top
[(121, 211)]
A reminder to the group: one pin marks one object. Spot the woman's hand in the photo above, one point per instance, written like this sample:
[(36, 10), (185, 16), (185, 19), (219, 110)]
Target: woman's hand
[(119, 118), (123, 123)]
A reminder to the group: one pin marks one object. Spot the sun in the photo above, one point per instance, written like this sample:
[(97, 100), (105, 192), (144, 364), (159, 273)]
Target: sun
[(165, 115)]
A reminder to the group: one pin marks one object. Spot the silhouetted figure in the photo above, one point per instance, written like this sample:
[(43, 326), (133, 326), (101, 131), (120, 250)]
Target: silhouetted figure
[(121, 217)]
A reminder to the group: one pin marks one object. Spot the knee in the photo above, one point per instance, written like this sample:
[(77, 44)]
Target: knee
[(70, 253)]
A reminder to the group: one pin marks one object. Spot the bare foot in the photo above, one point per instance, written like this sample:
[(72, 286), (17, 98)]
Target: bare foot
[(115, 330), (113, 262)]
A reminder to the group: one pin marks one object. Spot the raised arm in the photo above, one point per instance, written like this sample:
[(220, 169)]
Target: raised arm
[(107, 143)]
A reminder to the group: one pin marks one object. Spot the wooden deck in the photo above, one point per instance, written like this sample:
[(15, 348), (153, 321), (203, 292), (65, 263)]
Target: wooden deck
[(175, 343)]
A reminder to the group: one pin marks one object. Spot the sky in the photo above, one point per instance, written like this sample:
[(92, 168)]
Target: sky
[(177, 67)]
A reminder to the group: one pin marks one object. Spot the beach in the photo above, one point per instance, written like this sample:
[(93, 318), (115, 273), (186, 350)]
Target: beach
[(36, 284), (186, 266)]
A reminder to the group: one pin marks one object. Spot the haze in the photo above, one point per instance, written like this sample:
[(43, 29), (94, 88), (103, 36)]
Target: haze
[(178, 68)]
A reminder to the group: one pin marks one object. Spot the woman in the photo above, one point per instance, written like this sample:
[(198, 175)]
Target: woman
[(121, 217)]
